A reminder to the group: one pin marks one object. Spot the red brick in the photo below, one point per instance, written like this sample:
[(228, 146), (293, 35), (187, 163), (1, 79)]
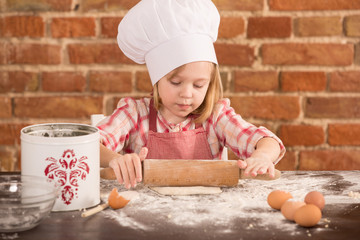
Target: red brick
[(330, 54), (286, 5), (255, 81), (327, 160), (224, 80), (18, 164), (110, 82), (18, 81), (10, 133), (318, 26), (57, 107), (4, 81), (267, 107), (269, 27), (235, 54), (63, 82), (301, 135), (345, 81), (143, 82), (3, 52), (352, 26), (7, 160), (332, 107), (2, 27), (109, 26), (239, 5), (231, 27), (96, 53), (23, 26), (269, 125), (27, 53), (112, 103), (38, 5), (108, 5), (6, 108), (344, 134), (303, 81), (357, 54), (288, 163), (73, 27)]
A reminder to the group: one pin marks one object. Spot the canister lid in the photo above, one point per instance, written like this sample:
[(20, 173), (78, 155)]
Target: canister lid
[(53, 133)]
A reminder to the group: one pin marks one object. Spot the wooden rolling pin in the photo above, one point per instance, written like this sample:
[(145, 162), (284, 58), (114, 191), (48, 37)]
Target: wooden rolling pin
[(166, 172)]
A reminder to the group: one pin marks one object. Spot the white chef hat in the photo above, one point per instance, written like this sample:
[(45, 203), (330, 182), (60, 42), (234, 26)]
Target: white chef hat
[(166, 34)]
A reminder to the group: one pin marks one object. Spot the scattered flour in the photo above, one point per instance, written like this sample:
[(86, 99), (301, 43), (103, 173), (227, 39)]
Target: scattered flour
[(9, 236), (245, 204), (354, 194)]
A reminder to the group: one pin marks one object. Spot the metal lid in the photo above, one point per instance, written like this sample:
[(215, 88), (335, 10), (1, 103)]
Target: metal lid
[(59, 133)]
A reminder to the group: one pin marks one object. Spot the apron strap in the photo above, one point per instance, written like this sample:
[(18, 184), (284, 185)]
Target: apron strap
[(152, 116)]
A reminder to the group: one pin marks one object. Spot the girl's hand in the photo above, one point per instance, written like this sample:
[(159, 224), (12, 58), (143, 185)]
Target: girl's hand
[(257, 165), (262, 159), (127, 167)]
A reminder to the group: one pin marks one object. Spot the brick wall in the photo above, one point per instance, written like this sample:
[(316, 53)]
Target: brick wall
[(290, 65)]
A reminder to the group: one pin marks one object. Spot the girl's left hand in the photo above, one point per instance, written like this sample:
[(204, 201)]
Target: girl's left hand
[(257, 165)]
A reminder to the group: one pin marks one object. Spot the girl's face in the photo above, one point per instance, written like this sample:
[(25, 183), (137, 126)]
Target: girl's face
[(183, 90)]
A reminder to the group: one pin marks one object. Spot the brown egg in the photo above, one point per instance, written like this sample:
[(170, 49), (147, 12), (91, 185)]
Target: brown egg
[(289, 208), (308, 215), (115, 200), (276, 198), (315, 198)]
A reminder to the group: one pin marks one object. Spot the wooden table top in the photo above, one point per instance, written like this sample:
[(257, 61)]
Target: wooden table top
[(237, 213)]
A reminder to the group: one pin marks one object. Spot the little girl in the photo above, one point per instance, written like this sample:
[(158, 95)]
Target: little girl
[(186, 117)]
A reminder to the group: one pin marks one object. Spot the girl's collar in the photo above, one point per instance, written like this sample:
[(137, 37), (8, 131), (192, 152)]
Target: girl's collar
[(170, 125)]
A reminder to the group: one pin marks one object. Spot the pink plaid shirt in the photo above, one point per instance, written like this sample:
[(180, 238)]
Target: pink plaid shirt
[(126, 129)]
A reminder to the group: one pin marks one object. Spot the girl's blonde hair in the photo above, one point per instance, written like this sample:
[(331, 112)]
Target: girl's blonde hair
[(213, 95)]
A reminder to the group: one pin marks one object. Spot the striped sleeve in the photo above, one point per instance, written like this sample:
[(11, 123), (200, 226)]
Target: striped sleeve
[(116, 128), (237, 134)]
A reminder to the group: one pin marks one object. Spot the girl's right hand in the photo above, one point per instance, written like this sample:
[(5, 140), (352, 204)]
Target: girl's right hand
[(127, 167)]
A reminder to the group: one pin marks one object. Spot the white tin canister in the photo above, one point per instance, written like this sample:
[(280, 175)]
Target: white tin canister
[(68, 153)]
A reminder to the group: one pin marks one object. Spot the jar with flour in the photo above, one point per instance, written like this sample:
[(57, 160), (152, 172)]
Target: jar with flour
[(69, 154)]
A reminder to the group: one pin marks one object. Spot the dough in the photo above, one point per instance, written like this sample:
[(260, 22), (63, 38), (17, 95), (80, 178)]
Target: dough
[(186, 190)]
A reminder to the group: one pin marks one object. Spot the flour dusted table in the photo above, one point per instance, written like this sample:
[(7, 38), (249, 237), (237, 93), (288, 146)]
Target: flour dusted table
[(237, 213)]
